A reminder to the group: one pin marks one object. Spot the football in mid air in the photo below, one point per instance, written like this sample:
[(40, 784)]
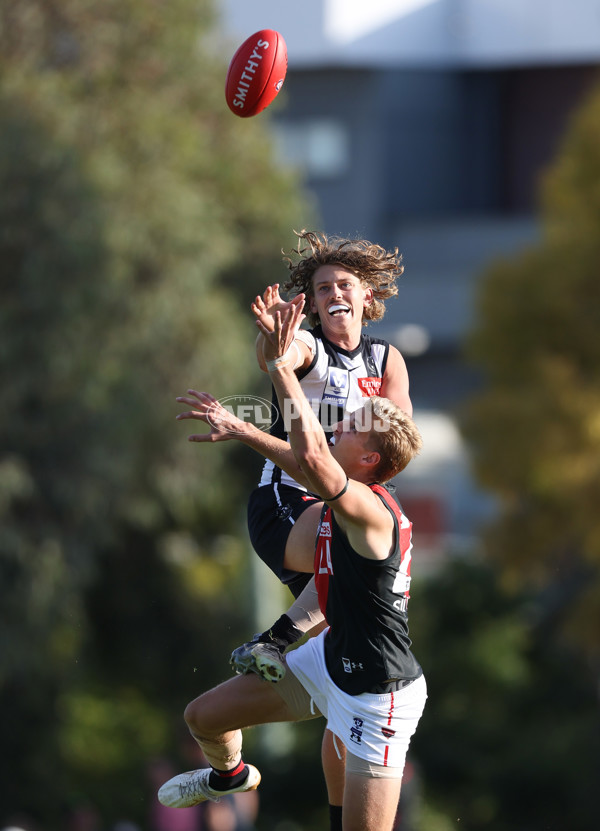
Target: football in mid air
[(256, 73)]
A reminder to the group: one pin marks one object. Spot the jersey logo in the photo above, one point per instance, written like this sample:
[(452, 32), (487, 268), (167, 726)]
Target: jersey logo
[(325, 529), (369, 386), (352, 666), (388, 732), (337, 386)]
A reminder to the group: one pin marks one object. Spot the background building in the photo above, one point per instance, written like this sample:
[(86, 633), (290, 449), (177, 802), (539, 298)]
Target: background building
[(428, 124)]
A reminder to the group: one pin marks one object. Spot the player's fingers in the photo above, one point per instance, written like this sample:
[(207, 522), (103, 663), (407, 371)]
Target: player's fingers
[(184, 399), (298, 300), (263, 328), (206, 398), (191, 396), (200, 416)]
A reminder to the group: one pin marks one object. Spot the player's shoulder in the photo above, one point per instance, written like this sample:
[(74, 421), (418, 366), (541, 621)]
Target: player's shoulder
[(306, 336), (307, 346), (388, 496), (375, 341)]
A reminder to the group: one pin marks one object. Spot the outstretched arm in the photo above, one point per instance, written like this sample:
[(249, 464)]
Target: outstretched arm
[(225, 426), (307, 438), (366, 522)]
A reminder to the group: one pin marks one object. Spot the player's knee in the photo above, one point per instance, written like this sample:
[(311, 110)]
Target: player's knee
[(204, 716), (189, 714), (193, 716)]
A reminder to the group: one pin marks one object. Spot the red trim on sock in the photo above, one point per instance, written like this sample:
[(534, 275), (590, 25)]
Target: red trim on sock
[(227, 774)]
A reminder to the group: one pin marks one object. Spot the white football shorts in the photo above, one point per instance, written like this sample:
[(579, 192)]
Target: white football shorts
[(375, 727)]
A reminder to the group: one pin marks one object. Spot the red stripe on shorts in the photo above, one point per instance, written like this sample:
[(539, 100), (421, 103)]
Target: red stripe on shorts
[(391, 712), (389, 721)]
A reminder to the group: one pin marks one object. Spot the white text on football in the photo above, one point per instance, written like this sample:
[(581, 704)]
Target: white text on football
[(247, 75)]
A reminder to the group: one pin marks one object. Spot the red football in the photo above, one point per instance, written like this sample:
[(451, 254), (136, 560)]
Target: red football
[(256, 73)]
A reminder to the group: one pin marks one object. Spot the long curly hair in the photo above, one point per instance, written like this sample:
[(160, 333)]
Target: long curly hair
[(375, 267)]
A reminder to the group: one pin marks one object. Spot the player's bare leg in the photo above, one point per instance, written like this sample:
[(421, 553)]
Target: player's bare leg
[(300, 546), (334, 770), (215, 720), (370, 804), (243, 701)]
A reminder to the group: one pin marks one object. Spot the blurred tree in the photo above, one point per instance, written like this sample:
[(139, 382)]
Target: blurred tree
[(509, 737), (535, 429), (137, 221)]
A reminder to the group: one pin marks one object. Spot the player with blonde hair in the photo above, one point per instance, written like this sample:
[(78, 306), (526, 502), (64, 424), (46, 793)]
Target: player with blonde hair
[(360, 672)]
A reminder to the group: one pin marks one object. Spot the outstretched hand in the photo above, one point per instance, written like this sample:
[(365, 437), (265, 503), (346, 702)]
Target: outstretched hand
[(266, 307), (286, 324), (223, 424)]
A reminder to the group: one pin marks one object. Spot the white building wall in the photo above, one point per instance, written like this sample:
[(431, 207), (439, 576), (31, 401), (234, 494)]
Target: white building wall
[(425, 33)]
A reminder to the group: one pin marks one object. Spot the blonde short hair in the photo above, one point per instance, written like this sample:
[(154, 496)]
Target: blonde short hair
[(394, 434)]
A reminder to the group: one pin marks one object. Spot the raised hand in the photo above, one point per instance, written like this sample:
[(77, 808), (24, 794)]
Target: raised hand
[(286, 324), (266, 307), (223, 424)]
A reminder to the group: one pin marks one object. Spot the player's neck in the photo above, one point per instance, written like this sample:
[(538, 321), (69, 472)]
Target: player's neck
[(346, 339)]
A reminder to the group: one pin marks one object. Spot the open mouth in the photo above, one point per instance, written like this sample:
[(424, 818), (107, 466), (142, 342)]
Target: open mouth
[(338, 310)]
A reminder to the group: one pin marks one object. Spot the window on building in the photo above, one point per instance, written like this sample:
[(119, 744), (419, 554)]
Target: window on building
[(320, 148)]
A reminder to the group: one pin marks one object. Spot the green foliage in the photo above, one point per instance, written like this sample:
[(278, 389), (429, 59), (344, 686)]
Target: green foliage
[(100, 730), (137, 222), (508, 740), (535, 429)]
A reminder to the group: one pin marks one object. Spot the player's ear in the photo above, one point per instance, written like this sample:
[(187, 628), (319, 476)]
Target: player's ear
[(372, 458), (312, 305), (368, 299)]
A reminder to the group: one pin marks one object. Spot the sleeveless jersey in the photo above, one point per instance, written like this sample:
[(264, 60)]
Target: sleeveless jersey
[(365, 604), (336, 382)]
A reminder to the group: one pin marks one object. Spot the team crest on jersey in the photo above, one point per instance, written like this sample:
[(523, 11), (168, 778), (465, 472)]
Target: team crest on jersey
[(387, 732), (369, 386), (338, 385)]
